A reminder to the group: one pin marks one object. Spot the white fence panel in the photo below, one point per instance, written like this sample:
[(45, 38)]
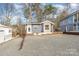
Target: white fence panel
[(1, 37)]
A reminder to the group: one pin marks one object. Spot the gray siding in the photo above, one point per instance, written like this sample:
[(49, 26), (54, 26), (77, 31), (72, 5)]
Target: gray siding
[(36, 28)]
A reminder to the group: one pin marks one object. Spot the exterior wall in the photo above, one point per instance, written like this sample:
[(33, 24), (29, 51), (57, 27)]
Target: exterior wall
[(63, 25), (8, 35), (1, 37), (70, 24), (36, 28), (67, 24), (69, 20), (5, 34), (51, 26), (77, 23)]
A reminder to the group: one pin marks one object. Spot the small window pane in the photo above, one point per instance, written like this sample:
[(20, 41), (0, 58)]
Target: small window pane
[(46, 27), (75, 18)]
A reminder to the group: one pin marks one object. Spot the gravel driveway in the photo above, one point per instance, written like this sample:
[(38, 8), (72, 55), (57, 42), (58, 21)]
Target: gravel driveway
[(45, 45)]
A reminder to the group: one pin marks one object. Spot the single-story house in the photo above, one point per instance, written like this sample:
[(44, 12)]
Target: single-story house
[(70, 23), (45, 27), (5, 33)]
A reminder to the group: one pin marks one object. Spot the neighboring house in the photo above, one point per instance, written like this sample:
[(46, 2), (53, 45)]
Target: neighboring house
[(70, 23), (45, 27), (5, 33)]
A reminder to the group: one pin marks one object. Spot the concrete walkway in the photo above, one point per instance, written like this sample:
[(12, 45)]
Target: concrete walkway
[(45, 45)]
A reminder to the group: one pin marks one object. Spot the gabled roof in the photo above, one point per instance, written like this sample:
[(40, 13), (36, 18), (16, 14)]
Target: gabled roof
[(48, 21), (40, 22), (70, 15), (34, 23), (4, 26)]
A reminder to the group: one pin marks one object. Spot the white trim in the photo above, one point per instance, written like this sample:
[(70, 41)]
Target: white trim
[(29, 26), (77, 17), (76, 27), (73, 18), (66, 28), (48, 22)]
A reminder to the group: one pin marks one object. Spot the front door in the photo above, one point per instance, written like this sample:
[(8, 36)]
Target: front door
[(29, 29)]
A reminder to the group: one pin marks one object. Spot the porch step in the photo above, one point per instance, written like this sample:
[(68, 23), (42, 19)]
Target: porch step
[(57, 33)]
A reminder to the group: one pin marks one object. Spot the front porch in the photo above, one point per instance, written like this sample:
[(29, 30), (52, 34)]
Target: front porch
[(45, 27)]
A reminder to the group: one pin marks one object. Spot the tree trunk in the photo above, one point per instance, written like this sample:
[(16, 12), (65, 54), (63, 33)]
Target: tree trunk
[(22, 35)]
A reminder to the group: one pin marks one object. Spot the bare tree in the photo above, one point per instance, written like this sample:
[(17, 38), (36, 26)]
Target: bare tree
[(22, 33), (59, 18), (8, 11)]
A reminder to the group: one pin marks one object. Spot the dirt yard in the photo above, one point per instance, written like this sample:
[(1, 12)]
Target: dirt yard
[(42, 45)]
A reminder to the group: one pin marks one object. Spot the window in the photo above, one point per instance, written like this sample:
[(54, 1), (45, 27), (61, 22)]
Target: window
[(75, 18), (46, 27), (78, 17), (70, 27), (29, 29), (78, 26), (74, 28)]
